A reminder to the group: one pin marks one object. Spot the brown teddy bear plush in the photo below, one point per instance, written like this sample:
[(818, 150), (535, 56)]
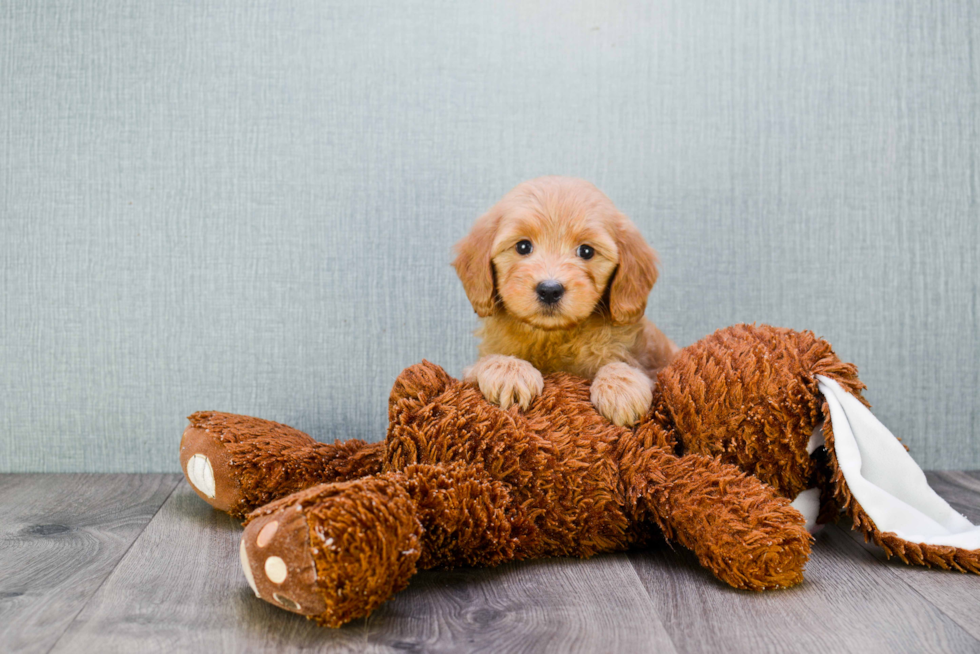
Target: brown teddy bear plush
[(742, 423)]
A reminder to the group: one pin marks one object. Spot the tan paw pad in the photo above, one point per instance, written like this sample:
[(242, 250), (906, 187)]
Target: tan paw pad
[(266, 534), (287, 603), (276, 570)]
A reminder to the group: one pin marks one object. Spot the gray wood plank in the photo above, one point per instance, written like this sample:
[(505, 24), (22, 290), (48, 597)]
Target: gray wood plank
[(846, 603), (180, 588), (60, 537), (550, 605), (956, 594)]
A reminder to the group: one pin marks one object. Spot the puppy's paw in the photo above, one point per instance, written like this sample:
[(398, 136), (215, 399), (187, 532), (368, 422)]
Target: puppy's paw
[(621, 393), (506, 380)]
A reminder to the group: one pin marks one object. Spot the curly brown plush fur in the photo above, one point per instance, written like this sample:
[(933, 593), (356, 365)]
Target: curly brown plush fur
[(459, 481), (749, 396)]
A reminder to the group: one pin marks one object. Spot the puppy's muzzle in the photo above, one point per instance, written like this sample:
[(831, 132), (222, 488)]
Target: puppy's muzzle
[(550, 292)]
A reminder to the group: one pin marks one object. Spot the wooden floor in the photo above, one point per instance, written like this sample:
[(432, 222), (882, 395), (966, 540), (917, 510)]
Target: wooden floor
[(137, 563)]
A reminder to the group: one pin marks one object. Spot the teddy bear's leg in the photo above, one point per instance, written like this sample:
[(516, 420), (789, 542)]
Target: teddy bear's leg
[(333, 552), (738, 527), (237, 463), (336, 552)]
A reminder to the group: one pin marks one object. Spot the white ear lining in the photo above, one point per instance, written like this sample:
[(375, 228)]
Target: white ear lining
[(886, 481)]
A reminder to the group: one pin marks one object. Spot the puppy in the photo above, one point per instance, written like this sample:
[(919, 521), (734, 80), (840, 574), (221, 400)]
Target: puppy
[(560, 279)]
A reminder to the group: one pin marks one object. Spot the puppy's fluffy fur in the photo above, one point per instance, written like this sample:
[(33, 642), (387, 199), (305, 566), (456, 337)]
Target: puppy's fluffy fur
[(596, 329)]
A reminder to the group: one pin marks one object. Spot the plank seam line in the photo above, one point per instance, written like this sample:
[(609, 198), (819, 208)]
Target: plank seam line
[(109, 574), (651, 603)]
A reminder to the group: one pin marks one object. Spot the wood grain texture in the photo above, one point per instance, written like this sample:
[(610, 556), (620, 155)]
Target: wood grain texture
[(552, 605), (956, 595), (180, 588), (846, 603), (248, 206), (60, 537), (177, 589)]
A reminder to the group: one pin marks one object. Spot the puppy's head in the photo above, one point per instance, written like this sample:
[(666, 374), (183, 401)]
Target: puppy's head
[(551, 251)]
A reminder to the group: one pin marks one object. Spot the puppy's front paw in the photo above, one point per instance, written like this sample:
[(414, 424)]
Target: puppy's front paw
[(506, 380), (621, 393)]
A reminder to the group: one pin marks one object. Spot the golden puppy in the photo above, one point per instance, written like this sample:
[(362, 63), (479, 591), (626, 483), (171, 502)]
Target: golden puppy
[(560, 278)]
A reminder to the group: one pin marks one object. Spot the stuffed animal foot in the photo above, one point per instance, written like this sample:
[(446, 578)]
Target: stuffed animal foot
[(334, 552), (237, 463), (207, 465)]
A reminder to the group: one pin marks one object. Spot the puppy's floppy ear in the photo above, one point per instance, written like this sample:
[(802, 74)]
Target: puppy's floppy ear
[(635, 275), (473, 263)]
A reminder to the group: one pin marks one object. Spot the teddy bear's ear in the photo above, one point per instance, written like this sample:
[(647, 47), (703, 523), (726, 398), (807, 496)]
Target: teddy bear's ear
[(474, 266), (635, 274), (885, 492)]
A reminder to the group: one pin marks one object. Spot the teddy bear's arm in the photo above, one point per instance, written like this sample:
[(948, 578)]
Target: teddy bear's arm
[(739, 528), (238, 463)]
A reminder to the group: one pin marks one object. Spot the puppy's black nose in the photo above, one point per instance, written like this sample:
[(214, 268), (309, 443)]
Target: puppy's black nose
[(550, 291)]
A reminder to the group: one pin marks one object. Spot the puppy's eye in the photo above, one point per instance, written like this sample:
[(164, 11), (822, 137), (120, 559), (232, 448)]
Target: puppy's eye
[(585, 251), (524, 247)]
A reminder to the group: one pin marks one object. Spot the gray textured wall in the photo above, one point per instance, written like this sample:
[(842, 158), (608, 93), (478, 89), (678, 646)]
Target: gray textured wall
[(250, 206)]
